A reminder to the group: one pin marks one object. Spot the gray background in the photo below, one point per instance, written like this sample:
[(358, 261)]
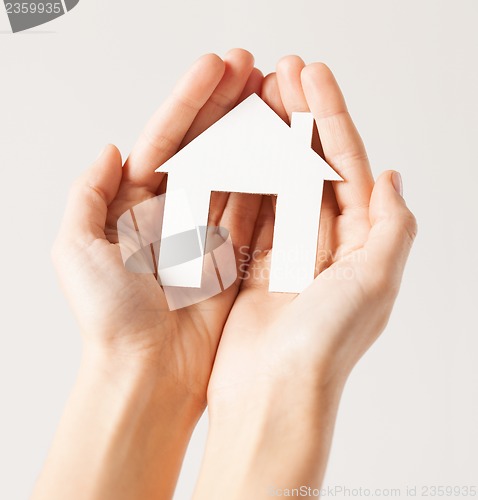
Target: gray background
[(409, 72)]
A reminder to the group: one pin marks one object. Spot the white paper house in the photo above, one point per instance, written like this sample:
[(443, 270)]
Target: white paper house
[(252, 150)]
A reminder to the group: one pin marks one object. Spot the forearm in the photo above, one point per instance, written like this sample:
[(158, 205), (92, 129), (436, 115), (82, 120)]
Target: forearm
[(123, 435), (278, 441)]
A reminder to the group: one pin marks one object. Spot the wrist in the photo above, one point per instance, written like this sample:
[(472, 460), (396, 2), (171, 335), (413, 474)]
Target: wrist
[(275, 389), (140, 378), (271, 409), (252, 434), (125, 424)]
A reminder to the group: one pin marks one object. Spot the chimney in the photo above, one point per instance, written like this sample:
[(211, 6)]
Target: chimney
[(302, 126)]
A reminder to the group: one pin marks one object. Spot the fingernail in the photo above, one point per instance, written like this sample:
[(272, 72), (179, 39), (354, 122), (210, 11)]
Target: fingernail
[(397, 183)]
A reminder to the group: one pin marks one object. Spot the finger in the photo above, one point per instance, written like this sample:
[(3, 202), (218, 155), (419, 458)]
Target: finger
[(343, 148), (239, 64), (392, 233), (85, 214), (239, 217), (261, 244), (289, 71), (264, 228), (253, 85), (271, 95), (290, 86), (165, 131)]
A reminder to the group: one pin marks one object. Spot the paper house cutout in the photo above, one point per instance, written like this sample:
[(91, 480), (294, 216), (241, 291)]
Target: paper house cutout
[(252, 150)]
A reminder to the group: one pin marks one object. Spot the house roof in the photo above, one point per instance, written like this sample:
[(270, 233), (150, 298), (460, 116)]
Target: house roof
[(252, 133)]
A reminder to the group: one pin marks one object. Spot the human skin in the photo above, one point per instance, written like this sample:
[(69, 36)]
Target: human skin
[(144, 373), (283, 359)]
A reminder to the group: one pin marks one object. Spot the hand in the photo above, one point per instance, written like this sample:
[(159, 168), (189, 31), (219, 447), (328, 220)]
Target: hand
[(142, 384), (124, 313), (283, 358)]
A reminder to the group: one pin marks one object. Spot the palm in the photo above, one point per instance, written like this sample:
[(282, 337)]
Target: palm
[(341, 236), (138, 304), (259, 317)]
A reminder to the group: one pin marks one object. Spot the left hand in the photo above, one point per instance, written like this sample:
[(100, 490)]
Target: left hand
[(366, 233), (284, 358)]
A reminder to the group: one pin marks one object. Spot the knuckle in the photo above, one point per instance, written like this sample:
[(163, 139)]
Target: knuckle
[(221, 101), (185, 101), (412, 226), (160, 142), (408, 225)]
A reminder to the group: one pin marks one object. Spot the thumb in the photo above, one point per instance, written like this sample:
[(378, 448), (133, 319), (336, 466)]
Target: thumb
[(393, 230), (85, 214)]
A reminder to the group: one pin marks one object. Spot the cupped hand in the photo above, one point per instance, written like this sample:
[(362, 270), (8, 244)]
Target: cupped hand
[(280, 340), (123, 314)]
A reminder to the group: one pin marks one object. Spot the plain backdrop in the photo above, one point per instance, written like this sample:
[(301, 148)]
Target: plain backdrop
[(409, 72)]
